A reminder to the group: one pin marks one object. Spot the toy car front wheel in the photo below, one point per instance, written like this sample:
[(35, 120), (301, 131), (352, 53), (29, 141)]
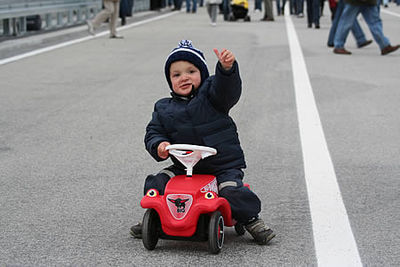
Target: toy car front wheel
[(151, 228), (216, 233)]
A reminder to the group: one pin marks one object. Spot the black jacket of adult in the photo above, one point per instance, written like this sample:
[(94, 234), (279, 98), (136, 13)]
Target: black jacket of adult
[(201, 120)]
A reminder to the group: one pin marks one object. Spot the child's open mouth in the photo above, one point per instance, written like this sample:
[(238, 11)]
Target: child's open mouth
[(186, 86)]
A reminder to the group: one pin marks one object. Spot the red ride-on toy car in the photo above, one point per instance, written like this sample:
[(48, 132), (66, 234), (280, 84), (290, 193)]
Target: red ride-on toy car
[(190, 208)]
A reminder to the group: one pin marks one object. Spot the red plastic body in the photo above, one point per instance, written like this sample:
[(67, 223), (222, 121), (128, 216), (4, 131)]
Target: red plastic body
[(184, 199)]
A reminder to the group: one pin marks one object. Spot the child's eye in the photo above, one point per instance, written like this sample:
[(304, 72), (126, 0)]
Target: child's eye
[(175, 75)]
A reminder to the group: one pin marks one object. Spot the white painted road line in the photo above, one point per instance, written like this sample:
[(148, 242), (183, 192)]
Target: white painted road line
[(333, 238), (390, 12), (50, 48)]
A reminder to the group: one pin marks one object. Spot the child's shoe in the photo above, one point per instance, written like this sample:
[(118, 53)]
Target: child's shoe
[(261, 233), (136, 230)]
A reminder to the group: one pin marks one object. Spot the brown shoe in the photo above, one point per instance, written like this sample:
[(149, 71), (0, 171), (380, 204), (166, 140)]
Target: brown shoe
[(341, 51), (389, 49), (365, 43)]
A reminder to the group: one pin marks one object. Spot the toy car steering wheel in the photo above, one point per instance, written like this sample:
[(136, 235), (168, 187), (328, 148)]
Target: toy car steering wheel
[(189, 155)]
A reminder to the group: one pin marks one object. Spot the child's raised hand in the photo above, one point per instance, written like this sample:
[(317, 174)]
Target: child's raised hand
[(226, 58), (162, 151)]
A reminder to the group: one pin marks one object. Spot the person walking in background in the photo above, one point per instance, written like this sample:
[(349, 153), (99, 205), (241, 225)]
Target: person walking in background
[(356, 30), (278, 7), (370, 12), (333, 7), (257, 5), (125, 10), (313, 13), (177, 5), (268, 13), (300, 8), (321, 5), (111, 12), (212, 10), (292, 5), (194, 7)]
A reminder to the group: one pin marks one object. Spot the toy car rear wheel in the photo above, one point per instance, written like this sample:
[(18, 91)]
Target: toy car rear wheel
[(151, 229), (216, 233)]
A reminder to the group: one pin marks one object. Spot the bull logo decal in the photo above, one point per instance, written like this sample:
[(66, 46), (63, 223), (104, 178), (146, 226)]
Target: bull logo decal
[(180, 204)]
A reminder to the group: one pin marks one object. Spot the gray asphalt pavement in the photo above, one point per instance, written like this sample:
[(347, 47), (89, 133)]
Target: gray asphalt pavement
[(73, 163)]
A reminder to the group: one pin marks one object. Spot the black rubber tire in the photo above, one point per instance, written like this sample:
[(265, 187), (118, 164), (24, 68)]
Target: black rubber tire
[(151, 229), (216, 233), (239, 228)]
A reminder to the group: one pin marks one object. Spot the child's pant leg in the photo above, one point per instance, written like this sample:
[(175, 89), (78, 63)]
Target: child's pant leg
[(159, 181), (245, 204)]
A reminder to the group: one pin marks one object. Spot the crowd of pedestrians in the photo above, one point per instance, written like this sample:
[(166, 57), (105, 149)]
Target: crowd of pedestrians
[(344, 15)]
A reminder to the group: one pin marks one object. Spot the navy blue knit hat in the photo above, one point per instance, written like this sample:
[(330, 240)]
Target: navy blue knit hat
[(186, 52)]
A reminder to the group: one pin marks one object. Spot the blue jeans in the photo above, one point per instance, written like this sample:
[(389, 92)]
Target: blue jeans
[(355, 29), (371, 16), (194, 8)]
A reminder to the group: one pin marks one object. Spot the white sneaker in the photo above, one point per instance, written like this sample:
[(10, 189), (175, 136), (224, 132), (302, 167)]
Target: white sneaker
[(213, 24), (90, 27)]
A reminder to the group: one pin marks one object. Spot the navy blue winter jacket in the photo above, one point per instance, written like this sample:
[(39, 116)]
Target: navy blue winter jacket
[(202, 120)]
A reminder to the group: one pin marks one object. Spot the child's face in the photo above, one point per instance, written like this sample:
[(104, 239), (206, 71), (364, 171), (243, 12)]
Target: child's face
[(183, 76)]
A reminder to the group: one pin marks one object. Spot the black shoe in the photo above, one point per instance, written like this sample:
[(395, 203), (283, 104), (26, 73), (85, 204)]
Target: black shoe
[(260, 232), (365, 43), (116, 37), (317, 26), (136, 230), (330, 45)]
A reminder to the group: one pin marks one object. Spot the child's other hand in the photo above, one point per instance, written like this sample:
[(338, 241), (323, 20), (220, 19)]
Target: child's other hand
[(226, 58), (162, 151)]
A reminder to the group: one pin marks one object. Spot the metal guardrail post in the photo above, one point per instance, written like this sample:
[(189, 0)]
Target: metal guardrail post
[(79, 15), (87, 13), (14, 26), (59, 19), (48, 20), (22, 25), (6, 26), (70, 16)]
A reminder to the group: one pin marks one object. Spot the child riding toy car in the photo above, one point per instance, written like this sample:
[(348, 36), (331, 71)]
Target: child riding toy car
[(190, 208)]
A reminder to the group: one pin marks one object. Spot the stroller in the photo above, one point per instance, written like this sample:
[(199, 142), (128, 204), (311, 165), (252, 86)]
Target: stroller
[(239, 8)]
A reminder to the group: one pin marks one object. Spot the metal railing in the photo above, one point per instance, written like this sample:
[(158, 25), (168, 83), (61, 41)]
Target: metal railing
[(54, 13)]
